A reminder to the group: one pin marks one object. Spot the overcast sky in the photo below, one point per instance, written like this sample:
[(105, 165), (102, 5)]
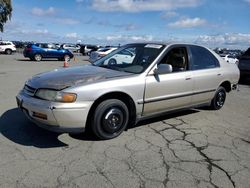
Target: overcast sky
[(222, 23)]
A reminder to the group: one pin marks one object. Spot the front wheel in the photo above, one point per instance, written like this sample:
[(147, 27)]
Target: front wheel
[(110, 119), (219, 99)]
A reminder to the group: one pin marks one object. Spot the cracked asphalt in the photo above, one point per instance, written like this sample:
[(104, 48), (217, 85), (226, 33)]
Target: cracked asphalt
[(194, 148)]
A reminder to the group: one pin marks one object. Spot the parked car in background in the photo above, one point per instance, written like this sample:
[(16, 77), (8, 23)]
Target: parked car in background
[(244, 64), (39, 51), (95, 55), (18, 44), (86, 49), (230, 58), (7, 47), (71, 47), (108, 97)]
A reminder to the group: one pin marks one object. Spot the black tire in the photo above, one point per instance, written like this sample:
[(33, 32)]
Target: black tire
[(219, 99), (38, 57), (110, 119), (112, 61), (8, 51)]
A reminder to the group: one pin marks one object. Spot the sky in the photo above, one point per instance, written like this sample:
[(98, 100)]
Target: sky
[(214, 23)]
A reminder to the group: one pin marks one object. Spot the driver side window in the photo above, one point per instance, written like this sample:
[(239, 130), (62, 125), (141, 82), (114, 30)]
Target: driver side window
[(177, 58)]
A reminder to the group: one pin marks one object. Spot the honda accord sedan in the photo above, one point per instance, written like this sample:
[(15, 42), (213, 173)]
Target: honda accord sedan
[(115, 92)]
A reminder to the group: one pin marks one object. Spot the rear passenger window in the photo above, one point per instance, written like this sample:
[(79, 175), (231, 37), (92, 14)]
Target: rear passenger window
[(202, 58)]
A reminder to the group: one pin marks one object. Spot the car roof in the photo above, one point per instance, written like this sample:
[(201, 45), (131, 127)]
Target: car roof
[(165, 43)]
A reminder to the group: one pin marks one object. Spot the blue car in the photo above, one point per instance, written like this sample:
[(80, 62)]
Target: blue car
[(43, 50)]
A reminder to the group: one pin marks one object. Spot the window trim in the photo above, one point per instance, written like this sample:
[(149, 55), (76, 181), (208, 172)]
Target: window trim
[(169, 48)]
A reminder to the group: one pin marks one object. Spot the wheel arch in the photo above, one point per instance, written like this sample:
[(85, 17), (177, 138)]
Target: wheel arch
[(124, 97), (37, 53), (8, 49), (226, 85)]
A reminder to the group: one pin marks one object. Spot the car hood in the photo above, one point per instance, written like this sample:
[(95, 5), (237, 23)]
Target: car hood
[(64, 78)]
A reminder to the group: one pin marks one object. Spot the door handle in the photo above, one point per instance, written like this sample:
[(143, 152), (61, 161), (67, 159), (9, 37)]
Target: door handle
[(219, 74), (188, 78)]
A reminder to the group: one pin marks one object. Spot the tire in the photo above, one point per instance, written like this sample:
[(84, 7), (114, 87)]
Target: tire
[(38, 57), (112, 61), (219, 99), (8, 51), (110, 119), (66, 58)]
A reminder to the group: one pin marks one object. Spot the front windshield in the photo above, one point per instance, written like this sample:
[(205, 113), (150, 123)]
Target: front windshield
[(132, 58)]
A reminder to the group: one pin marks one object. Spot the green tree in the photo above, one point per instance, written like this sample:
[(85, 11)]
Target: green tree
[(5, 12)]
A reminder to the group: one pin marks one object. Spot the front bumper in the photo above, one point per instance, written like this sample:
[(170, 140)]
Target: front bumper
[(54, 116)]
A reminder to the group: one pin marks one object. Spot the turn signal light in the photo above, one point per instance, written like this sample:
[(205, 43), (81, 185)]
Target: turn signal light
[(39, 115)]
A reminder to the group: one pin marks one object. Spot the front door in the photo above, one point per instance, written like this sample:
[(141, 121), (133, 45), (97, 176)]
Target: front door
[(170, 91)]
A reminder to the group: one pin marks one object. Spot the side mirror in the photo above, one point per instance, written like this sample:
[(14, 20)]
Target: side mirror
[(163, 69)]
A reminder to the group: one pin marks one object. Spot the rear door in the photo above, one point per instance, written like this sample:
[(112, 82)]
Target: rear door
[(53, 51), (44, 50), (207, 74)]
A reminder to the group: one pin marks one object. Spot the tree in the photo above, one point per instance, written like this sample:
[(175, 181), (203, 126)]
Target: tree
[(5, 12)]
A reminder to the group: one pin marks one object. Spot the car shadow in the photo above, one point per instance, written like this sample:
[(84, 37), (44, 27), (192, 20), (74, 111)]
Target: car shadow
[(17, 128), (165, 117), (43, 60), (89, 136)]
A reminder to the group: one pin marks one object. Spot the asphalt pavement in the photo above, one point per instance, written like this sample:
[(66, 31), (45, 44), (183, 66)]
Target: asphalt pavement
[(194, 148)]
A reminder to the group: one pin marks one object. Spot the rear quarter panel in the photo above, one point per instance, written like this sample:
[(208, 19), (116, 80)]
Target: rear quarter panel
[(230, 71)]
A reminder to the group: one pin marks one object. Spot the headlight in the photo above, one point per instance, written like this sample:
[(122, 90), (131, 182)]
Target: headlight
[(57, 96)]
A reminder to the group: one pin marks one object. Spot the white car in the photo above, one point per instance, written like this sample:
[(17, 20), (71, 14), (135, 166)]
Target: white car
[(71, 47), (7, 47), (230, 59), (123, 57), (87, 49), (95, 55)]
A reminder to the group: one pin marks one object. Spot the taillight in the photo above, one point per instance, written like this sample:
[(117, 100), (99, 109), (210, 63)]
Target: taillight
[(29, 49)]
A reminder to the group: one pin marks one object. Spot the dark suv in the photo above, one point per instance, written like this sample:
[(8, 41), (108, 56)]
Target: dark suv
[(87, 49), (244, 64), (43, 50)]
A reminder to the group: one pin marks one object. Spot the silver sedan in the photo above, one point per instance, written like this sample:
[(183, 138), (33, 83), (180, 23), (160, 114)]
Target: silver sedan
[(116, 92)]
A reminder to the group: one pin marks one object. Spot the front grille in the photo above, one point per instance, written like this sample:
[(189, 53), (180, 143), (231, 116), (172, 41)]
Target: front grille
[(29, 90)]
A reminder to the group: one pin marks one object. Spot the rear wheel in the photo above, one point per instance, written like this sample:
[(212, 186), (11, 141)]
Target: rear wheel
[(38, 57), (8, 51), (219, 99), (110, 119), (66, 57)]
